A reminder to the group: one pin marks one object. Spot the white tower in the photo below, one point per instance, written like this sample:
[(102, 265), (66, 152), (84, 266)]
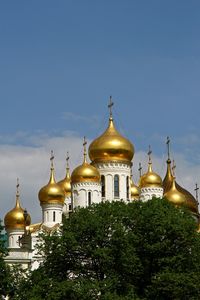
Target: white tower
[(86, 184), (150, 183), (111, 154), (52, 199)]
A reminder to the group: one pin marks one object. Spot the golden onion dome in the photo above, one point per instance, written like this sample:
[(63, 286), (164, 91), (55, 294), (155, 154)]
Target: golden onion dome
[(52, 193), (85, 172), (65, 184), (15, 218), (135, 190), (175, 196), (150, 179), (191, 202), (111, 146)]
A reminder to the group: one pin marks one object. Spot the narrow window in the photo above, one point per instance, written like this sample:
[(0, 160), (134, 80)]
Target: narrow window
[(127, 188), (70, 207), (116, 186), (89, 199), (54, 216), (103, 190)]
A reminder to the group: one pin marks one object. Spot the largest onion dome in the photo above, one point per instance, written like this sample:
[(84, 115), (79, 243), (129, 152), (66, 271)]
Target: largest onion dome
[(52, 193), (150, 179), (191, 202), (17, 218), (85, 172), (65, 184), (111, 146)]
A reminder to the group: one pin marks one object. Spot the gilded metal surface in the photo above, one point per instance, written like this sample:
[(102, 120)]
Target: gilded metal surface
[(191, 202), (52, 192), (14, 219), (65, 184), (85, 172), (111, 145), (150, 179), (135, 190), (175, 196)]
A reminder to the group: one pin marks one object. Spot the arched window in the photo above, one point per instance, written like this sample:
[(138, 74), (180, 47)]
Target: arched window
[(116, 186), (127, 187), (89, 199), (54, 216), (103, 186)]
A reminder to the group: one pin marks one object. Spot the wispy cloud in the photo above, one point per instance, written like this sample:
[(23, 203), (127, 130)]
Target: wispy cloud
[(92, 120)]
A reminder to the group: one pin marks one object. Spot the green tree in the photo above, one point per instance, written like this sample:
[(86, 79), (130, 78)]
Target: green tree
[(4, 269), (120, 251)]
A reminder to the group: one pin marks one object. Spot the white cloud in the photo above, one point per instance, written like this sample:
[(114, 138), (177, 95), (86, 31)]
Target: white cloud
[(31, 164)]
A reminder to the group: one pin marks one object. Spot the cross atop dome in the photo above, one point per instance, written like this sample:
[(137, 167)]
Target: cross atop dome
[(84, 147), (110, 105), (149, 154), (17, 187), (173, 168), (168, 148), (52, 158)]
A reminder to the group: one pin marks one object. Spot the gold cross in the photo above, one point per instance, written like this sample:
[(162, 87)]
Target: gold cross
[(149, 154), (67, 159), (196, 190), (140, 169), (52, 158), (168, 150), (110, 105), (84, 145), (17, 186), (173, 168)]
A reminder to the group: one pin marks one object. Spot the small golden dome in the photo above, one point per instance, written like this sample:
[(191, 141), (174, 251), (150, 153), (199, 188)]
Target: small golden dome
[(135, 190), (191, 202), (52, 192), (85, 172), (65, 184), (14, 219), (150, 179), (111, 146), (175, 196)]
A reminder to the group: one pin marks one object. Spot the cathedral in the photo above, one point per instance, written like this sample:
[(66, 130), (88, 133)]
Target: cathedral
[(105, 176)]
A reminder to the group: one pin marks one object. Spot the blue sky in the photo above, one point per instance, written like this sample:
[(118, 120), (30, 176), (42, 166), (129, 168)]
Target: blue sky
[(61, 60)]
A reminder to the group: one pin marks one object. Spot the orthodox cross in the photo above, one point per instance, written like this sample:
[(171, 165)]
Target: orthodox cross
[(196, 190), (168, 150), (140, 169), (67, 159), (173, 168), (110, 105), (149, 154), (17, 186), (52, 158), (84, 145)]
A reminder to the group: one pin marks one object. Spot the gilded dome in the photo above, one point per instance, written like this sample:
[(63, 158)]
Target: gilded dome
[(14, 219), (175, 196), (111, 146), (150, 179), (191, 202), (85, 172), (135, 190), (65, 184), (52, 192)]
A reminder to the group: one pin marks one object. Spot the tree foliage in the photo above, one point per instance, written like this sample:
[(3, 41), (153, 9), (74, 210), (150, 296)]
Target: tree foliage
[(4, 269), (120, 251)]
